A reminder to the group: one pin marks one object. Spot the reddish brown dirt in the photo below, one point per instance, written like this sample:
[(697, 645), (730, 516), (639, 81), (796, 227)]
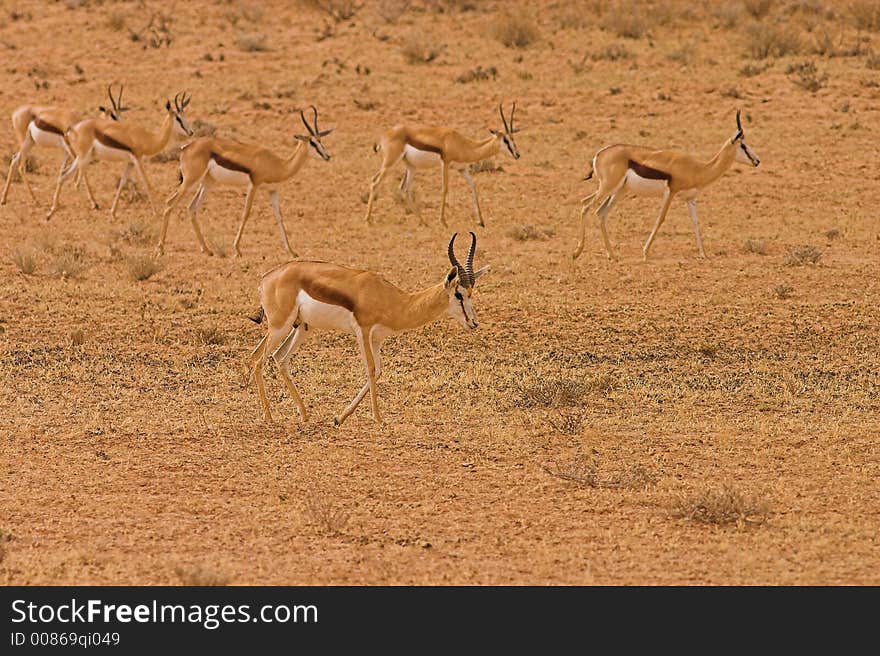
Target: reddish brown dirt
[(139, 455)]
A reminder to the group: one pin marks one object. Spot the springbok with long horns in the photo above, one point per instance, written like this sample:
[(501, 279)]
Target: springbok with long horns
[(666, 173), (122, 142), (422, 147), (36, 125), (300, 298), (208, 161)]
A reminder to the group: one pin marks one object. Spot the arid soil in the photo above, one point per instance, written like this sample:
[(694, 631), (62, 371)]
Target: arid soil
[(675, 421)]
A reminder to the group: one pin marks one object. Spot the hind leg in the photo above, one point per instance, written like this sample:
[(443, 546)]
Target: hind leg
[(282, 358), (170, 203), (586, 204), (122, 180), (470, 183)]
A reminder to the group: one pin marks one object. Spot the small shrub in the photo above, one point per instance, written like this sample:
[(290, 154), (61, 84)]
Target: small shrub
[(325, 517), (751, 70), (720, 507), (142, 267), (803, 255), (612, 52), (865, 15), (872, 61), (338, 10), (569, 422), (580, 470), (515, 30), (417, 50), (251, 42), (476, 74), (833, 233), (25, 260), (211, 336), (529, 232), (806, 75), (765, 40), (682, 55), (783, 292), (625, 23), (77, 338), (392, 10), (200, 576), (727, 14), (70, 263), (757, 8), (559, 392), (756, 246)]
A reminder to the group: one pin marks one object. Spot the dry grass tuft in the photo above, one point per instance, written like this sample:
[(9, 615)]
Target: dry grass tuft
[(865, 15), (417, 50), (765, 40), (727, 15), (807, 76), (338, 10), (612, 52), (569, 422), (25, 260), (201, 576), (391, 11), (515, 30), (833, 233), (477, 74), (708, 350), (138, 233), (77, 338), (757, 8), (584, 470), (803, 255), (69, 263), (720, 507), (783, 292), (529, 232), (751, 70), (325, 517), (756, 246), (211, 336), (251, 42), (142, 267), (559, 392)]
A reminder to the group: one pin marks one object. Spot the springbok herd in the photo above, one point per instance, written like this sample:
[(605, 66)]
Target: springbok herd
[(301, 297)]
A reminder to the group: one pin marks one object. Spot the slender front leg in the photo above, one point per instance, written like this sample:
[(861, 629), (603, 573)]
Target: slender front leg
[(444, 190), (194, 206), (374, 184), (12, 164), (139, 165), (299, 336), (122, 180), (248, 204), (664, 208), (273, 198), (355, 402), (82, 177), (470, 181), (603, 212), (56, 197), (586, 204), (692, 208)]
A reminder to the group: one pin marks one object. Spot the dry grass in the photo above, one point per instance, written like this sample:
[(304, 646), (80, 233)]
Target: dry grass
[(69, 263), (142, 267), (477, 74), (764, 40), (554, 392), (755, 246), (626, 24), (338, 10), (751, 70), (325, 516), (782, 291), (418, 50), (210, 336), (586, 471), (138, 232), (201, 576), (251, 42), (865, 14), (529, 232), (720, 506), (757, 8), (392, 11), (612, 52), (517, 29), (25, 260), (806, 75), (803, 255), (77, 338)]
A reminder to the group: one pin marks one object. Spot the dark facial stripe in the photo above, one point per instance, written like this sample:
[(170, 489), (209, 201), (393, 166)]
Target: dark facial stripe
[(229, 164), (648, 172), (327, 294), (110, 142), (47, 127), (421, 145)]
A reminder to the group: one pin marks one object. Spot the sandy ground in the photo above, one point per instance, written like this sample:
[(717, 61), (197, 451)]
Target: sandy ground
[(672, 421)]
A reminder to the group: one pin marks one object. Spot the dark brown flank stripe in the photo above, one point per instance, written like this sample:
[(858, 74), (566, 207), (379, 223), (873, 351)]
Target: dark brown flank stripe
[(229, 164), (47, 127), (421, 145), (326, 294), (110, 142), (647, 172)]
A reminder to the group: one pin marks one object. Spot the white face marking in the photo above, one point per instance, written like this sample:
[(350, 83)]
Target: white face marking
[(323, 316), (745, 155), (224, 176), (45, 138), (420, 159), (317, 150), (644, 186), (461, 308), (181, 127), (102, 152)]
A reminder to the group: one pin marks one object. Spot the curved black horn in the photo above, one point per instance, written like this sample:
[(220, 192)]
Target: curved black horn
[(469, 263), (305, 122), (119, 106), (315, 119), (462, 275), (503, 120), (110, 94), (512, 112), (177, 102)]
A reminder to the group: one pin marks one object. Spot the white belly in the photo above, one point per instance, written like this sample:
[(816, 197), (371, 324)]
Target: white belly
[(644, 186), (224, 176), (420, 159), (323, 316), (102, 152), (45, 138)]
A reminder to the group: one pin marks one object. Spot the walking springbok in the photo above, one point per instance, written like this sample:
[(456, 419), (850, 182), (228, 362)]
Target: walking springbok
[(209, 161), (667, 173), (36, 125), (300, 298), (122, 142), (423, 147)]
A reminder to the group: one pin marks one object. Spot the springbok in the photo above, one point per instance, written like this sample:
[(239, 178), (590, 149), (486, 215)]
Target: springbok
[(298, 299), (666, 173), (209, 161), (422, 147)]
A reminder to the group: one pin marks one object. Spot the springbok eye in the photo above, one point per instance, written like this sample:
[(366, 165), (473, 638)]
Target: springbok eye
[(459, 296)]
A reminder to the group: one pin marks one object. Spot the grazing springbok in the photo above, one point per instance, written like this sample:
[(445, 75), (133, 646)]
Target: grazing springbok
[(300, 298), (36, 125), (122, 142), (667, 173), (422, 147), (209, 161)]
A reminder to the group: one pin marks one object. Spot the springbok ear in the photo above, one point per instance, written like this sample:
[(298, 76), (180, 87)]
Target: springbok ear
[(324, 133), (497, 133), (168, 105), (451, 278), (103, 109), (300, 137), (479, 272)]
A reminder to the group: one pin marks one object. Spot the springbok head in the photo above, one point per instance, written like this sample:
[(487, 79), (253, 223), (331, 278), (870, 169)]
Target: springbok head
[(181, 127), (116, 106), (313, 138), (744, 154), (506, 137), (460, 283)]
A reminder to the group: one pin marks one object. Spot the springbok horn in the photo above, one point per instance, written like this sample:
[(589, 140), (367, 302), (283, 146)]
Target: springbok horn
[(469, 263), (119, 106), (306, 123), (315, 120), (186, 99), (738, 123), (462, 276), (112, 99), (512, 112), (503, 120)]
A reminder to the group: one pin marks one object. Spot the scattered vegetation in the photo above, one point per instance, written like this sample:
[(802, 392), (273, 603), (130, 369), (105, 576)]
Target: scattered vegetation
[(25, 260), (251, 42), (720, 506), (559, 392), (727, 14), (478, 73), (156, 33), (865, 14), (211, 336), (806, 75), (418, 50), (392, 10), (752, 69), (833, 233), (69, 263), (338, 10), (764, 40), (707, 350), (142, 267), (757, 8), (612, 52), (783, 292), (803, 255), (201, 576), (322, 514), (77, 338), (585, 471), (626, 22), (569, 422), (755, 246), (529, 232), (515, 30)]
